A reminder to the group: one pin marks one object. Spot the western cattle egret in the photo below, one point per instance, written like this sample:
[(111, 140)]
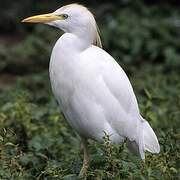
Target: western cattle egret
[(91, 88)]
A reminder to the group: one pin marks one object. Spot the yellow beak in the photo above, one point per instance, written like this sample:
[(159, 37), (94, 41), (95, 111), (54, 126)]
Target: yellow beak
[(44, 18)]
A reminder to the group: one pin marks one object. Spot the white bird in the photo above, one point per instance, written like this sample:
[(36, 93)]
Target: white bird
[(91, 88)]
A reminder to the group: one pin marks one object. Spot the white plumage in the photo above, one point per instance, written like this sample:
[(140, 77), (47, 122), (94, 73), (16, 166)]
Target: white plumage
[(91, 88)]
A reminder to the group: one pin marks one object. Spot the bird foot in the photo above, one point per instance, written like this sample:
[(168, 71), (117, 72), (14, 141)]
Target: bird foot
[(83, 172)]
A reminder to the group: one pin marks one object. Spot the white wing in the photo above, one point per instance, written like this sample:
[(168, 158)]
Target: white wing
[(119, 99)]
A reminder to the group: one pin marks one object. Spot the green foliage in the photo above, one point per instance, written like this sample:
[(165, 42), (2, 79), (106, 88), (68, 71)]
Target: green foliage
[(144, 34), (37, 143), (134, 33), (35, 140), (31, 55)]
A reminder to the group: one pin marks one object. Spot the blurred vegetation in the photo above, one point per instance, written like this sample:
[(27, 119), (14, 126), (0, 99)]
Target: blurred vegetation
[(134, 33), (35, 140)]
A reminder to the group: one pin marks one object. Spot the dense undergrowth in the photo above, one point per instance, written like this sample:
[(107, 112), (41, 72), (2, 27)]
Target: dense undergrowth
[(35, 140)]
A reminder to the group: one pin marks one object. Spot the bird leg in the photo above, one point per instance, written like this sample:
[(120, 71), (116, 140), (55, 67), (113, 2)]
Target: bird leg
[(86, 160)]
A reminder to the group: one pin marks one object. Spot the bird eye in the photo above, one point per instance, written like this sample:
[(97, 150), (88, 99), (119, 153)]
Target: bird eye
[(65, 16)]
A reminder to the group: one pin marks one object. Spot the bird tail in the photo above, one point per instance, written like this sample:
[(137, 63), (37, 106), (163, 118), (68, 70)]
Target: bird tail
[(147, 139)]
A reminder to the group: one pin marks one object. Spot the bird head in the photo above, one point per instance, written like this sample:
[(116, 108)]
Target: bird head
[(73, 18)]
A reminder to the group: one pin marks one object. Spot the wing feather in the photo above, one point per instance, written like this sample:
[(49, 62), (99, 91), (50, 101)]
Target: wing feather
[(126, 116)]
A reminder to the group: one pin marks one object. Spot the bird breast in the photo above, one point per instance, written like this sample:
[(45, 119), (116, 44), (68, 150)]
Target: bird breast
[(85, 97), (74, 82)]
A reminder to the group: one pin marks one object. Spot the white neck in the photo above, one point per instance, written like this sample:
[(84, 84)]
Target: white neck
[(77, 41), (85, 38)]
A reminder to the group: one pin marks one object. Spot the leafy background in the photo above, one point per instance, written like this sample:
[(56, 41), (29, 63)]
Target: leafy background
[(35, 140)]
